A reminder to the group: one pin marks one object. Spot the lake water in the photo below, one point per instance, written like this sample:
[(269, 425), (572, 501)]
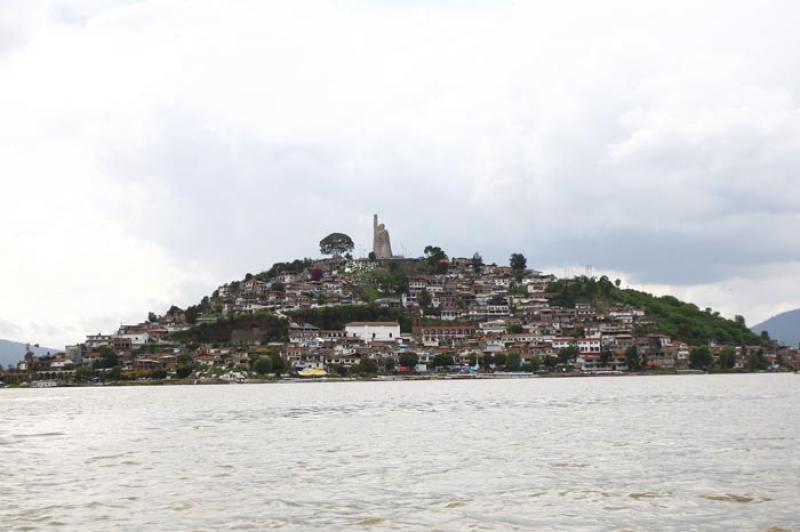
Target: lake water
[(638, 453)]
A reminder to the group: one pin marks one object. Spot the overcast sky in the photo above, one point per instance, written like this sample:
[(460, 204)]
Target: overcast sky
[(152, 150)]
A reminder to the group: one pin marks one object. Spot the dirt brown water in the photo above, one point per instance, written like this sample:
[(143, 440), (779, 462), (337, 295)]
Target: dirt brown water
[(636, 453)]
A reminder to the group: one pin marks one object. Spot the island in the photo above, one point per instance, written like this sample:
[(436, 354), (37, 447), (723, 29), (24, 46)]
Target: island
[(389, 317)]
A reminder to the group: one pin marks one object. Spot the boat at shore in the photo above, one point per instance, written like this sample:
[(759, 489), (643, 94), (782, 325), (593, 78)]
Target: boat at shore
[(312, 372)]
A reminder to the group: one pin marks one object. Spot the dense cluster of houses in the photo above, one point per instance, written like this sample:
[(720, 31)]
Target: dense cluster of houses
[(485, 316)]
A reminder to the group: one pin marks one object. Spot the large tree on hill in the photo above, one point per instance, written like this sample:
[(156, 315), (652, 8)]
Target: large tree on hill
[(336, 244), (436, 259), (518, 264), (477, 262)]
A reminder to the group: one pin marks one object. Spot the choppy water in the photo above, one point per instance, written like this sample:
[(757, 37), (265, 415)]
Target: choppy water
[(639, 453)]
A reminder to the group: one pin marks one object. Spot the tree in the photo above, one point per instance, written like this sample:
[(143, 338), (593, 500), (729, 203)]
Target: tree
[(366, 366), (388, 364), (108, 358), (372, 256), (726, 358), (408, 360), (513, 362), (263, 365), (617, 282), (424, 299), (173, 310), (518, 264), (486, 361), (436, 259), (477, 263), (115, 373), (278, 286), (632, 359), (567, 354), (443, 360), (151, 317), (336, 244), (191, 314), (739, 319), (83, 374), (756, 360), (278, 364), (183, 371), (514, 328), (500, 359), (700, 357), (339, 369)]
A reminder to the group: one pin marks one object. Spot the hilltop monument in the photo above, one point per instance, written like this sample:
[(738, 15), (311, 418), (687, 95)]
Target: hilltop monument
[(381, 244)]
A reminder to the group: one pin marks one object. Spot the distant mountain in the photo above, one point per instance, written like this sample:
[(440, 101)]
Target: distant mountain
[(13, 352), (784, 327)]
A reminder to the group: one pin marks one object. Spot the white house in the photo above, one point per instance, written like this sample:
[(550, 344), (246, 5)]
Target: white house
[(373, 331), (136, 338)]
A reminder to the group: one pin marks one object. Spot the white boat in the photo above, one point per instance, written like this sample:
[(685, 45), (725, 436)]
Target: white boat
[(44, 384)]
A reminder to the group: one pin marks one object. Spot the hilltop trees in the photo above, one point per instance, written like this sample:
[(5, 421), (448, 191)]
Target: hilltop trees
[(679, 320), (518, 263), (477, 263), (336, 244), (436, 259)]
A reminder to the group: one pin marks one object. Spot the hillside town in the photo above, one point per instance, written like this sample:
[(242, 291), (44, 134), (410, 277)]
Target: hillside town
[(395, 317)]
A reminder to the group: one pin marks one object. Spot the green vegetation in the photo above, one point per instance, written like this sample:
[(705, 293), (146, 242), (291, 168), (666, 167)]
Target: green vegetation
[(700, 357), (567, 354), (726, 359), (443, 360), (108, 358), (679, 320), (436, 259), (366, 367), (273, 328), (263, 365), (408, 360), (518, 263), (633, 359), (336, 244), (513, 362), (425, 300), (330, 318), (477, 263), (382, 282), (279, 268)]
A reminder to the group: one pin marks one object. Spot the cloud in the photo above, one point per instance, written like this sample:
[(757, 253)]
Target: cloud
[(151, 150)]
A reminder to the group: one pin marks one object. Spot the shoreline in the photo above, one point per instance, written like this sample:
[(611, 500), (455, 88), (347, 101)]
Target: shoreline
[(382, 378)]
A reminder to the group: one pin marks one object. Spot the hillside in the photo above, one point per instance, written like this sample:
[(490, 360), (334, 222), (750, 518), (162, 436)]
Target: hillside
[(666, 314), (13, 352), (784, 327), (680, 320)]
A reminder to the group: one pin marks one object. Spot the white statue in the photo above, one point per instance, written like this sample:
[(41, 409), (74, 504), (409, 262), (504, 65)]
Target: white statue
[(381, 244)]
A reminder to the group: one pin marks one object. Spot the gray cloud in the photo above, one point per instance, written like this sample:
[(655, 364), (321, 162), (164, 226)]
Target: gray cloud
[(640, 139)]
